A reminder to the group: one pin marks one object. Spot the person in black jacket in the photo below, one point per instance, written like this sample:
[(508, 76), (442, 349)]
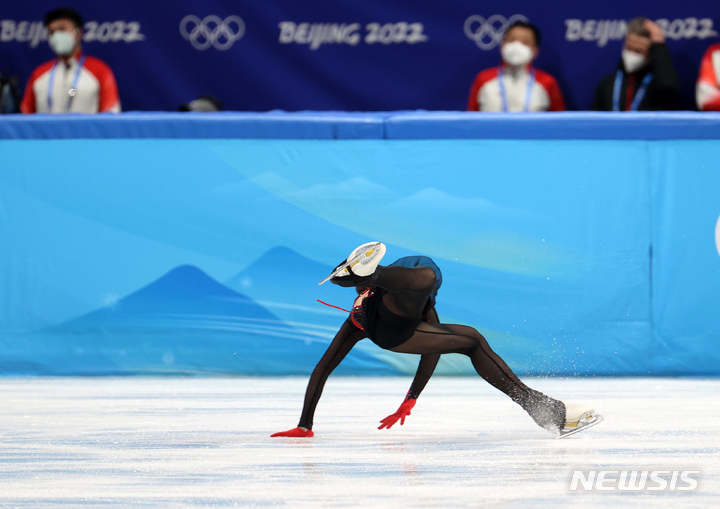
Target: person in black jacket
[(645, 78)]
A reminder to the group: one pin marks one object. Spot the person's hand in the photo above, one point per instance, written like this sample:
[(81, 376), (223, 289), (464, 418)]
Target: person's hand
[(400, 415), (295, 432), (657, 36)]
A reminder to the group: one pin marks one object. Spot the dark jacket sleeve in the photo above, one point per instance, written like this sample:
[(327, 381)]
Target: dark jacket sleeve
[(665, 83), (602, 100), (666, 78)]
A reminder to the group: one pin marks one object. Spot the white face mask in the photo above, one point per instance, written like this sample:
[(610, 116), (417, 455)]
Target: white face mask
[(633, 61), (62, 43), (516, 53)]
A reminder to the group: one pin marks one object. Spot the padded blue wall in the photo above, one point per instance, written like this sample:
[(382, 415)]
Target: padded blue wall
[(177, 255)]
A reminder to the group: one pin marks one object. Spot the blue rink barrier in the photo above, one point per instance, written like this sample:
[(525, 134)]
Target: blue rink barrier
[(418, 125), (169, 243)]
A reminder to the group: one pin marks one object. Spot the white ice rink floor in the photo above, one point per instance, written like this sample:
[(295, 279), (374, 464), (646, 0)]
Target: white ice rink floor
[(204, 442)]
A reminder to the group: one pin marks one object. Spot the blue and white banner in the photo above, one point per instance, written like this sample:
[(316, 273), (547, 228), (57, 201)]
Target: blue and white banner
[(342, 55), (175, 255), (204, 255), (686, 256)]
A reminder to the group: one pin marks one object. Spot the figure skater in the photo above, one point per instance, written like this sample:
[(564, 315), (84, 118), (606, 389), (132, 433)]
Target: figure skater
[(395, 308)]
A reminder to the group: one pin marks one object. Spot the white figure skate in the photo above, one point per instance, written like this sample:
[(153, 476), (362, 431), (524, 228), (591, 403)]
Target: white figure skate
[(579, 418), (363, 261)]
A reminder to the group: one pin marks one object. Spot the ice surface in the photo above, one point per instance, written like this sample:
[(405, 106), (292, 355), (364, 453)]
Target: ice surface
[(204, 442)]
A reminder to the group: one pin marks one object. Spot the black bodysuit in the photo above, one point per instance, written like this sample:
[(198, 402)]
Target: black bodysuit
[(384, 328), (403, 294)]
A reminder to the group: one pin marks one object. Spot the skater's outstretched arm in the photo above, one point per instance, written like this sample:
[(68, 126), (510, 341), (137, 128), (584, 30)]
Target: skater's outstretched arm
[(346, 338), (428, 363), (425, 370)]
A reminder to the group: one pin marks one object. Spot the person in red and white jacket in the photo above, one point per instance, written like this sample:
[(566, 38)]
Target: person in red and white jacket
[(708, 85), (516, 85), (73, 82)]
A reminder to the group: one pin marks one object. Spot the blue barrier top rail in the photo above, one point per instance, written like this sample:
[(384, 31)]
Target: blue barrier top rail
[(410, 125)]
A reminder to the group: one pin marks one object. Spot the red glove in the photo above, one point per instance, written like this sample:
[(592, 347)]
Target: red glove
[(295, 432), (401, 413)]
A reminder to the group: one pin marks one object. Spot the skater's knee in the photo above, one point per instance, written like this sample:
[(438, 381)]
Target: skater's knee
[(477, 340), (468, 340), (481, 341)]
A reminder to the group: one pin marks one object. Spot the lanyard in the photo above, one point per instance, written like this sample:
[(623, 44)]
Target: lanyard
[(503, 94), (73, 88), (638, 95)]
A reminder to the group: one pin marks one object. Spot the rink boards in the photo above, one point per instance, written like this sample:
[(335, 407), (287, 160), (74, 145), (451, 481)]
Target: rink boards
[(576, 243)]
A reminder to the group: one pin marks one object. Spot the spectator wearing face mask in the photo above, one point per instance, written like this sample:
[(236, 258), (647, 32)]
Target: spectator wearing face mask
[(708, 85), (72, 82), (645, 78), (516, 85)]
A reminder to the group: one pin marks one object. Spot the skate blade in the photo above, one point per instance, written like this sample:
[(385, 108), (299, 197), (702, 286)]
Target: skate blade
[(585, 422), (365, 253)]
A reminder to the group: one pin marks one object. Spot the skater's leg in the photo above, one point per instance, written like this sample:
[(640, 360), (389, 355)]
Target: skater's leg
[(444, 338)]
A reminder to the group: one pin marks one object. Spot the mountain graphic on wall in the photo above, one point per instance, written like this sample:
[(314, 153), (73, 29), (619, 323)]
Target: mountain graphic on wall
[(183, 295), (298, 272), (287, 283), (184, 322)]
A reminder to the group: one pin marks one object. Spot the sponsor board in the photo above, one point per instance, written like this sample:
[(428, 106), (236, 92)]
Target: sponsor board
[(212, 31), (488, 32), (316, 34), (603, 30), (34, 32)]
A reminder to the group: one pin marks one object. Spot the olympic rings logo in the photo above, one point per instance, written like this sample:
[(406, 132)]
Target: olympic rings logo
[(212, 31), (488, 33)]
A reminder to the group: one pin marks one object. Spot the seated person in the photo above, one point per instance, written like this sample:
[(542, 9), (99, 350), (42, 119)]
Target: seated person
[(9, 94), (203, 104), (516, 85), (708, 85), (645, 78), (73, 82)]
